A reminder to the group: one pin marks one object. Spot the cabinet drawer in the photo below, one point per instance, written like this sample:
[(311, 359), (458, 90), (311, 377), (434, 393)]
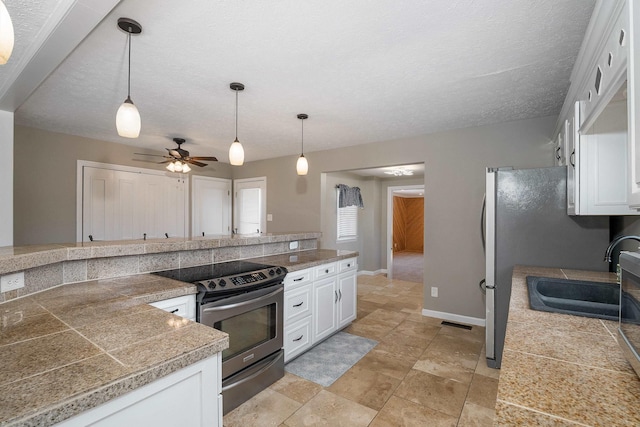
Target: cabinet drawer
[(297, 338), (182, 306), (325, 270), (297, 303), (347, 265), (298, 278)]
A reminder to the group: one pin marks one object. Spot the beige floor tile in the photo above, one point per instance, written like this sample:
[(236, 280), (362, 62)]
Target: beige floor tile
[(328, 409), (384, 317), (393, 365), (441, 363), (296, 388), (423, 330), (476, 416), (483, 391), (371, 331), (361, 385), (267, 408), (400, 412), (477, 333), (441, 394)]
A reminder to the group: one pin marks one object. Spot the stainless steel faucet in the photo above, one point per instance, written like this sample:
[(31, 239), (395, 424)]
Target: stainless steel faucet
[(614, 243)]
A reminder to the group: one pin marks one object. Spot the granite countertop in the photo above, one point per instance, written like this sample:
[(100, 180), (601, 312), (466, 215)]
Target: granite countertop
[(306, 259), (73, 347), (563, 370)]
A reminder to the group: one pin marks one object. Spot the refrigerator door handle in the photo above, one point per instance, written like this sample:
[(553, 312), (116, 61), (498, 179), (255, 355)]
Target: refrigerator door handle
[(482, 220), (490, 323)]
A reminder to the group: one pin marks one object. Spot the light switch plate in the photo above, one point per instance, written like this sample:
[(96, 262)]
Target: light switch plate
[(434, 292), (269, 217), (9, 282)]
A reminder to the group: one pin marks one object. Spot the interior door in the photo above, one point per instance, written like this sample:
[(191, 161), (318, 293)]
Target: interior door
[(211, 206), (250, 205)]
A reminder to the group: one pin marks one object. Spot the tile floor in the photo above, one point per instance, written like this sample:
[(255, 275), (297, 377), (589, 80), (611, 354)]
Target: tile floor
[(420, 374)]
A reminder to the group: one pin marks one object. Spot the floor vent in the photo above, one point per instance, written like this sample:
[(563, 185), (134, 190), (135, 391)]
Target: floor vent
[(456, 325)]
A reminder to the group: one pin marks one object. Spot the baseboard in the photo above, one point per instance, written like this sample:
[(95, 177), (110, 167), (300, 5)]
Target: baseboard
[(454, 317), (371, 273)]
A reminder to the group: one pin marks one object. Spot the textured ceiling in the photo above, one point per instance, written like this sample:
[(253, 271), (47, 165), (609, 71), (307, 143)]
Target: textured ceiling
[(364, 70)]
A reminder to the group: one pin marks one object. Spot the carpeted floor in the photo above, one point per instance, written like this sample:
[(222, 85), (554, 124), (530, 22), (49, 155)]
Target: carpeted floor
[(326, 362), (408, 266)]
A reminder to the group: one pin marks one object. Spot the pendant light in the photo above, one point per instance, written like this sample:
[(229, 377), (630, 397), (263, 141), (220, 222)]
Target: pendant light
[(6, 34), (236, 152), (302, 167), (128, 117)]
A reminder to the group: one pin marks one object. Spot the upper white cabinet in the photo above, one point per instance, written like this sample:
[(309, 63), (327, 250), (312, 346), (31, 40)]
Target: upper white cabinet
[(593, 122), (633, 105)]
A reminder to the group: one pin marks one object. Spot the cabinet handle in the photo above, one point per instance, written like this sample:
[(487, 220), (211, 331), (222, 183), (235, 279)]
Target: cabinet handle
[(174, 311), (298, 305), (327, 271), (571, 157), (299, 338), (340, 292), (298, 279), (336, 292), (348, 265)]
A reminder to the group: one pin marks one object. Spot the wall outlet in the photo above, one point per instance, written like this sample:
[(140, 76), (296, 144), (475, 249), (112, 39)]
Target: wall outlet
[(434, 292), (293, 245), (269, 217), (13, 281)]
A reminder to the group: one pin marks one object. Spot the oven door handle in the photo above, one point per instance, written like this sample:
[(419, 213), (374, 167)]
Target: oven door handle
[(240, 304)]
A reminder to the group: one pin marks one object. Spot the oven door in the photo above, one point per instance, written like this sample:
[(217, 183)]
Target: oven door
[(253, 321)]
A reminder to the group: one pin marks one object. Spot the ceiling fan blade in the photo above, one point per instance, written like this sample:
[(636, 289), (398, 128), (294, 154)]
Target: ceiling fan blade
[(210, 158), (194, 162)]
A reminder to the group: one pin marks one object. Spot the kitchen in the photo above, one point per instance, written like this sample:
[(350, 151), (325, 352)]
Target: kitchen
[(455, 154)]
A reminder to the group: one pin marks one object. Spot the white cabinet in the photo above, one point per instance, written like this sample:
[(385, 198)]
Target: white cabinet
[(325, 308), (633, 103), (318, 302), (184, 306), (188, 397)]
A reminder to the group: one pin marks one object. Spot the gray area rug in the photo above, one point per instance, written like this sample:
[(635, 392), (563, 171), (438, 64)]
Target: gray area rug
[(327, 361)]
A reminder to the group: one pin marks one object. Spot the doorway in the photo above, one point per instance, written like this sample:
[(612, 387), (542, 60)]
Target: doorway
[(405, 233)]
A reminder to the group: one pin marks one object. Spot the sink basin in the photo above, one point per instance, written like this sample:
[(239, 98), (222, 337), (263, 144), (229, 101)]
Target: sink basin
[(577, 297)]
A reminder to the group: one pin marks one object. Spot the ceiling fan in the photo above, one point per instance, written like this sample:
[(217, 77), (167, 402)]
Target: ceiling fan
[(181, 155)]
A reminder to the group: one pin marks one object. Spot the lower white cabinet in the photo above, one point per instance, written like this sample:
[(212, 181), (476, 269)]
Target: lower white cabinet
[(318, 302), (184, 306), (188, 397)]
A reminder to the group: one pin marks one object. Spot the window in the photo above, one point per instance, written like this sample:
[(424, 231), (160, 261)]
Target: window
[(347, 221)]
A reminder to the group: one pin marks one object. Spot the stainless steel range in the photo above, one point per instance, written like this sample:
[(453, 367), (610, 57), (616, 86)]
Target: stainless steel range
[(245, 300)]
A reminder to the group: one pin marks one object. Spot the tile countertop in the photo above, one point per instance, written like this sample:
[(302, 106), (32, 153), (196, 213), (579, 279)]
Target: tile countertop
[(73, 347), (306, 259), (563, 370)]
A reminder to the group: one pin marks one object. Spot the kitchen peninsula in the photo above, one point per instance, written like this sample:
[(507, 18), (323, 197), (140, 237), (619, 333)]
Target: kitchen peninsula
[(69, 349), (560, 369)]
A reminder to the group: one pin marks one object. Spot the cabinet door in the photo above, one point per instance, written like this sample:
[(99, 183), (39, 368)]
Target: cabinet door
[(297, 338), (97, 206), (633, 113), (347, 298), (572, 144), (297, 303), (325, 298), (211, 206)]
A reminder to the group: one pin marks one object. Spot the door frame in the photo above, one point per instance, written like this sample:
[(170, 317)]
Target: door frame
[(390, 191)]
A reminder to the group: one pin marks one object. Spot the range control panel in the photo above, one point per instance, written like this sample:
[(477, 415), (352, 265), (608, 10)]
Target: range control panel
[(247, 280)]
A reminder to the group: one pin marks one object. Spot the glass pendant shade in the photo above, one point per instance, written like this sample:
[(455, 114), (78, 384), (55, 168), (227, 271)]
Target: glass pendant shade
[(236, 154), (128, 120), (171, 167), (186, 168), (6, 34), (302, 167)]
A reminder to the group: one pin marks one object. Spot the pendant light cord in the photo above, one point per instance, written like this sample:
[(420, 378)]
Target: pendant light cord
[(302, 151), (129, 74), (236, 115)]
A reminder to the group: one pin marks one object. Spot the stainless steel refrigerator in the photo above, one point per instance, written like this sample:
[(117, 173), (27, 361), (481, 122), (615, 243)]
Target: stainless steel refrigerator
[(526, 223)]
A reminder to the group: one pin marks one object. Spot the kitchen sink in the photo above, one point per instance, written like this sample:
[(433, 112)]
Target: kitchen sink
[(577, 297)]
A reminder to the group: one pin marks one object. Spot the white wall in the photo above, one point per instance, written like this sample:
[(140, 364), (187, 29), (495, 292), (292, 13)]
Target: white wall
[(6, 178)]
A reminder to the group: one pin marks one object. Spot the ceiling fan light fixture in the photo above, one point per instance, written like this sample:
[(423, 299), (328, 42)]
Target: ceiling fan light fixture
[(185, 168), (236, 151), (302, 166), (178, 166), (171, 167), (7, 37), (128, 117)]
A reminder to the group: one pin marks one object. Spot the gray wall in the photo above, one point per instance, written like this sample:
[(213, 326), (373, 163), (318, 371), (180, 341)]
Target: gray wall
[(45, 167)]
